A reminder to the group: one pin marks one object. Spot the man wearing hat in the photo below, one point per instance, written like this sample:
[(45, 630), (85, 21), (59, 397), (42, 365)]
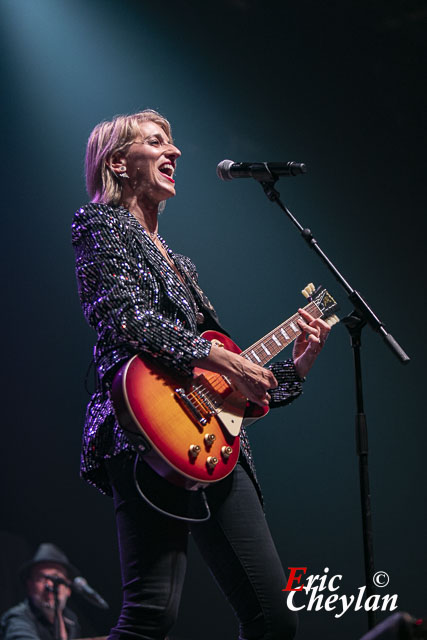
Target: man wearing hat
[(34, 619)]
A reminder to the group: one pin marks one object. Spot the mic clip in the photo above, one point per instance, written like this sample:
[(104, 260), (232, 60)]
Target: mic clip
[(261, 173)]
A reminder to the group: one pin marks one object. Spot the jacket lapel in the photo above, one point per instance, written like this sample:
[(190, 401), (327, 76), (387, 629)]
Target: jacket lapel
[(165, 273)]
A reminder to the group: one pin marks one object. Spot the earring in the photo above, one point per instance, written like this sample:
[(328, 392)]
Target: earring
[(123, 173)]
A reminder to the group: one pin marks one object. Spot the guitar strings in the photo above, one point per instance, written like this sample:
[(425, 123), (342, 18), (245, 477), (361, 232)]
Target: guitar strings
[(202, 395), (269, 342)]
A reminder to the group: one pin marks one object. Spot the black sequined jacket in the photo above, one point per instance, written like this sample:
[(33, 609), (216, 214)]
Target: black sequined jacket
[(137, 303)]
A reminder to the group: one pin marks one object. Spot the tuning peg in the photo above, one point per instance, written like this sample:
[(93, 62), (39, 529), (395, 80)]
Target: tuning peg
[(332, 320), (308, 290)]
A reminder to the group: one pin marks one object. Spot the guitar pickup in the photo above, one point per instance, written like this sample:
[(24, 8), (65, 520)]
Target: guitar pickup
[(185, 402)]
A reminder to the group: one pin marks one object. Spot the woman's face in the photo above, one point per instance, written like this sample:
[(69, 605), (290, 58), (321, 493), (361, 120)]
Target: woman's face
[(150, 164)]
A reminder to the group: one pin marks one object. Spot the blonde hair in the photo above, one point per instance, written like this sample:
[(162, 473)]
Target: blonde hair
[(107, 138)]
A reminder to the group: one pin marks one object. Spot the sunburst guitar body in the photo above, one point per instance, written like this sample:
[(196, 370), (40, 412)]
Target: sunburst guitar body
[(187, 429)]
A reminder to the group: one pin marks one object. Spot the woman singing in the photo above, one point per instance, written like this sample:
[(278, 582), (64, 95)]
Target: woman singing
[(141, 297)]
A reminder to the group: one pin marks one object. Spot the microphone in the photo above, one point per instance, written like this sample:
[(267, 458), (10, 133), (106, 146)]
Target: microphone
[(228, 170), (81, 586)]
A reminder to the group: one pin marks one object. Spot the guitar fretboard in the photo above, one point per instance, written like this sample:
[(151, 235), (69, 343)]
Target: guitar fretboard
[(270, 345)]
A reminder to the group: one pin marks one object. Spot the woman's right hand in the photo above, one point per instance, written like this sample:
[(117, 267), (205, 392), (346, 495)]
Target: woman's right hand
[(250, 379)]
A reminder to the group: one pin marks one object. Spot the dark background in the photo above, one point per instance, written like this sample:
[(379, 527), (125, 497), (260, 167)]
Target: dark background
[(339, 85)]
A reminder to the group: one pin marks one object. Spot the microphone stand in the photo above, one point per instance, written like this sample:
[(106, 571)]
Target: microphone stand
[(361, 315), (56, 622), (56, 581)]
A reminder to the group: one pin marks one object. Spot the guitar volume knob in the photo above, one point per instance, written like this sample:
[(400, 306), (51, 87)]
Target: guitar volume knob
[(209, 439), (211, 461), (226, 451), (194, 450)]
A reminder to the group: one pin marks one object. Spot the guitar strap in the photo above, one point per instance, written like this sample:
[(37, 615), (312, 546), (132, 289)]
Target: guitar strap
[(201, 300)]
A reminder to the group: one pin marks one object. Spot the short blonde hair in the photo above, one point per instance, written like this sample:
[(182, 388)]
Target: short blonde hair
[(108, 138)]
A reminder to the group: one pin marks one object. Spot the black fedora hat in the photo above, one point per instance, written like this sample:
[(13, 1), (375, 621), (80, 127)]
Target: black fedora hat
[(48, 552)]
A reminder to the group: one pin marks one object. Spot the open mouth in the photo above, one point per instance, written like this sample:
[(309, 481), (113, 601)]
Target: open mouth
[(167, 171)]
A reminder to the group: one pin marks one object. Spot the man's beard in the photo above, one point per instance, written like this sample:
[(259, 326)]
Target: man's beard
[(46, 605)]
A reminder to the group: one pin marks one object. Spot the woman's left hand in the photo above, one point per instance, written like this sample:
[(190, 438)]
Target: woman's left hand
[(309, 343)]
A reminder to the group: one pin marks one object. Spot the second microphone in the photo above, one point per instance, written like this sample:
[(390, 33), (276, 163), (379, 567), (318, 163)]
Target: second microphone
[(228, 170)]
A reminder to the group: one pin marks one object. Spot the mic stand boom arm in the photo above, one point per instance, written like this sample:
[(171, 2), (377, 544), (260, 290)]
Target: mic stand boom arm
[(362, 314), (362, 310)]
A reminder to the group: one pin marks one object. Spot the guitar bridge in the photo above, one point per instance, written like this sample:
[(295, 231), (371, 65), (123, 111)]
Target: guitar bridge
[(185, 402)]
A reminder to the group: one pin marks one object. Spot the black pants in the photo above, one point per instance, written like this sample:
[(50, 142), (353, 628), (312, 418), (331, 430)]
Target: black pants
[(235, 542)]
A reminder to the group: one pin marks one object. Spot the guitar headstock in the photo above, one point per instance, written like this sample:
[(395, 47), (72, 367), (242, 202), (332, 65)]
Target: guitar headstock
[(323, 301)]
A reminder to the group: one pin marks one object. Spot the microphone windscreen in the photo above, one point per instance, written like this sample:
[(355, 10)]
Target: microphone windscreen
[(223, 170)]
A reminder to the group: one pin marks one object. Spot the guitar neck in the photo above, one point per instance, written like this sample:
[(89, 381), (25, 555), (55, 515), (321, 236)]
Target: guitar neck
[(269, 346)]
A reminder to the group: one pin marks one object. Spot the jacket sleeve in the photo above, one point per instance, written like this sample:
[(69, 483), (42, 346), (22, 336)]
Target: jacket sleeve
[(290, 384), (17, 626), (119, 295)]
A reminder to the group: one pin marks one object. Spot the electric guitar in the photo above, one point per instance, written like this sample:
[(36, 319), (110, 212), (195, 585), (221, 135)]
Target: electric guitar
[(187, 429)]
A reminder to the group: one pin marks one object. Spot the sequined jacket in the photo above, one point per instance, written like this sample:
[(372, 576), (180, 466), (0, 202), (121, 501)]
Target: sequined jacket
[(137, 303)]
